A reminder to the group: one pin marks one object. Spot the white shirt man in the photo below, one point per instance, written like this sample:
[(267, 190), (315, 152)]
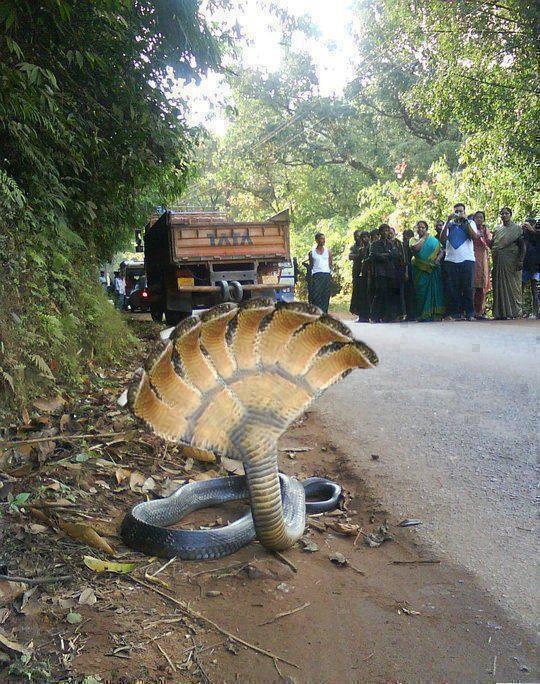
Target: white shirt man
[(457, 236)]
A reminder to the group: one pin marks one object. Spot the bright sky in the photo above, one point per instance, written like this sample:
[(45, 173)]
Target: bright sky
[(331, 51)]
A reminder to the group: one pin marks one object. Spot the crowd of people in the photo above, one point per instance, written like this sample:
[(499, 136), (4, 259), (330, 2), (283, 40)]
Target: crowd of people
[(441, 276)]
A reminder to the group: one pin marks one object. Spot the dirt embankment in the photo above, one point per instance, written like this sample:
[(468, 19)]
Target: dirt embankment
[(339, 607)]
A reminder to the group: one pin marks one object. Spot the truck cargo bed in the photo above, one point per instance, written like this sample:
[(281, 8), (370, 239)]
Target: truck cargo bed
[(230, 242)]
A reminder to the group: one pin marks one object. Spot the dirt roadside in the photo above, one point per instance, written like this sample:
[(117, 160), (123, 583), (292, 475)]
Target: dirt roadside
[(385, 616)]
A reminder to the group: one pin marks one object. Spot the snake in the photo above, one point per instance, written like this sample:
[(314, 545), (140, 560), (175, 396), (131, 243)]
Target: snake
[(228, 384)]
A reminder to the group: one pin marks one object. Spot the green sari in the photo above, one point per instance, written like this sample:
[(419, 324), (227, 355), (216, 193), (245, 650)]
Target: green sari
[(426, 273)]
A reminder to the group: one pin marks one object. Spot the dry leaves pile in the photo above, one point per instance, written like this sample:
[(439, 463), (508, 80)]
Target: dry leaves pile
[(68, 473)]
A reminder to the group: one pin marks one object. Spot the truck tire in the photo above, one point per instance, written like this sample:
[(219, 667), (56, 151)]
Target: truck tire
[(225, 293), (157, 313), (174, 317), (236, 291)]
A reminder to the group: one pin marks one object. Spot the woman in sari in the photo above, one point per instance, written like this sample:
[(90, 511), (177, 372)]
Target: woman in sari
[(360, 297), (426, 273), (508, 249), (482, 279)]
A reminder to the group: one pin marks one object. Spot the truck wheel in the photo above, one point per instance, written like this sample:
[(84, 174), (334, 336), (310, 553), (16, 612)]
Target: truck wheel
[(236, 291), (174, 317), (224, 287), (156, 313)]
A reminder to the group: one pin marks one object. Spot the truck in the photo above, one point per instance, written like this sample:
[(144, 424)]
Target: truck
[(197, 259)]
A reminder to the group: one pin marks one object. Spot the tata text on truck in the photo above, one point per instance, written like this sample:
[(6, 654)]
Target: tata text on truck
[(198, 259)]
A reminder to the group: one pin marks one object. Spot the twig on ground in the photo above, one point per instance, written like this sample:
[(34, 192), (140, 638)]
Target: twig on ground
[(358, 536), (171, 664), (158, 636), (282, 615), (197, 662), (62, 438), (205, 648), (36, 580), (197, 616), (285, 560), (368, 656), (278, 670), (360, 572), (237, 564), (415, 562), (317, 526), (165, 621), (156, 573)]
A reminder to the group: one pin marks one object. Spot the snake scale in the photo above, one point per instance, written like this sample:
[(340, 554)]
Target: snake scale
[(231, 382)]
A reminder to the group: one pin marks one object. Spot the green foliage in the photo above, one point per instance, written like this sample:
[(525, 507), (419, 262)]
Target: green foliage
[(27, 669), (92, 135), (91, 131), (471, 65), (15, 503)]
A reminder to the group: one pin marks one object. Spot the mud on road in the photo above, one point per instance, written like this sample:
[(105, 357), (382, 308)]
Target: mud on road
[(390, 613)]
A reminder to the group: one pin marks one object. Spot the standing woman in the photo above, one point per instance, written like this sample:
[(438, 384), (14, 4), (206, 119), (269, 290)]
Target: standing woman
[(360, 304), (508, 248), (482, 279), (426, 273), (355, 257), (320, 261)]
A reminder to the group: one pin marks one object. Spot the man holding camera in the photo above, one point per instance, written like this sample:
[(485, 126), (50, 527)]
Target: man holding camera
[(457, 236)]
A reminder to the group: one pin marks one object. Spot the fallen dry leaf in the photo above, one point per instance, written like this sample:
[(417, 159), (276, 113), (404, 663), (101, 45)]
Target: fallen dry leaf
[(51, 405), (98, 565), (232, 466), (136, 481), (199, 454), (339, 559), (347, 529), (122, 474), (64, 422), (14, 645), (9, 591), (36, 528), (209, 475), (88, 597), (168, 487), (375, 539), (108, 528), (86, 535), (148, 485)]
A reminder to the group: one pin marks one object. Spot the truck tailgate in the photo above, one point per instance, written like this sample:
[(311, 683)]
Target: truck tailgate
[(226, 241)]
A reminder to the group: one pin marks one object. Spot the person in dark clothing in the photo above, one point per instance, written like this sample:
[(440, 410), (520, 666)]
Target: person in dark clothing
[(385, 256), (359, 252), (439, 225), (531, 263), (410, 306), (401, 275), (368, 270)]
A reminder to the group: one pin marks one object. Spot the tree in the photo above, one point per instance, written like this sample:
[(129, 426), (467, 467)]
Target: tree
[(470, 65), (91, 136)]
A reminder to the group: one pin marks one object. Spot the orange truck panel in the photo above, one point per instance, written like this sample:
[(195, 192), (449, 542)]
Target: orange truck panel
[(230, 241)]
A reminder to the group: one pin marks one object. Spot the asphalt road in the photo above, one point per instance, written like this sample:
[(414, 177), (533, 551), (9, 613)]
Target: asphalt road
[(452, 413)]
